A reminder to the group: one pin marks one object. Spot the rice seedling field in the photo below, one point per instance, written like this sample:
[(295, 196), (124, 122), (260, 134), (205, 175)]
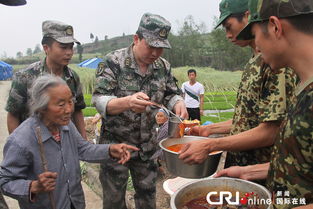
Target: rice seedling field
[(220, 89)]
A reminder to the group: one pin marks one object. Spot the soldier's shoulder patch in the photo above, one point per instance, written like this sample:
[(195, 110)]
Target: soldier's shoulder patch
[(164, 63), (128, 62)]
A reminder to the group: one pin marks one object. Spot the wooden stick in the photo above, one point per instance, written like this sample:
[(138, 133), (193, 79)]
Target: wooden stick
[(44, 163)]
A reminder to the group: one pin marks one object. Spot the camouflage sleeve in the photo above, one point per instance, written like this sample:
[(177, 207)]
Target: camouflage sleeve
[(79, 96), (173, 93), (272, 104), (105, 85), (17, 100)]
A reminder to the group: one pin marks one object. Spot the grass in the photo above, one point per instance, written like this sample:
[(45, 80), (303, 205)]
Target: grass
[(212, 80), (87, 77), (218, 106), (87, 98), (217, 117), (223, 83), (89, 111)]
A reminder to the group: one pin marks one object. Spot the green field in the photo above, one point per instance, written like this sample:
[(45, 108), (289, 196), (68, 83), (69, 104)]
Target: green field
[(220, 89)]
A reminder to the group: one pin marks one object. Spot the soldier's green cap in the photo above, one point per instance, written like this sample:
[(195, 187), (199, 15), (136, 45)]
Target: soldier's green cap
[(262, 10), (59, 31), (229, 7), (13, 2), (155, 30)]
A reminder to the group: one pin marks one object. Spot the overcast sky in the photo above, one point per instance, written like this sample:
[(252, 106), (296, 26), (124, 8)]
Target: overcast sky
[(21, 26)]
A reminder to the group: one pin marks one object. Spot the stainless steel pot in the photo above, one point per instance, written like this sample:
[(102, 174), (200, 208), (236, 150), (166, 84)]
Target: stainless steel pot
[(201, 188), (177, 167)]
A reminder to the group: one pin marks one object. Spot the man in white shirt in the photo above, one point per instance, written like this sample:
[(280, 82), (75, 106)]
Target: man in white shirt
[(193, 95)]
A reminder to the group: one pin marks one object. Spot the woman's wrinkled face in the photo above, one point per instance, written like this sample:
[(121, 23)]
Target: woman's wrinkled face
[(161, 118), (60, 106)]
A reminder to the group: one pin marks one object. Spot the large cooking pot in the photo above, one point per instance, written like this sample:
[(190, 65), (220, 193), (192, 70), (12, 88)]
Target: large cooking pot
[(201, 188), (177, 167)]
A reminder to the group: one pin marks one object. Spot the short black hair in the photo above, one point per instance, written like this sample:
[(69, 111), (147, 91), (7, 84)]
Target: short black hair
[(302, 23), (47, 40), (191, 71), (140, 35)]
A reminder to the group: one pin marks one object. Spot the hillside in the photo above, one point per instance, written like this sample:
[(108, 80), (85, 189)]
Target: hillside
[(189, 48)]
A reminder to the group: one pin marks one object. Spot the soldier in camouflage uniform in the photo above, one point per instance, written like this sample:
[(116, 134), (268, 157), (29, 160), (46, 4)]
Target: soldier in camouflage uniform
[(3, 204), (125, 81), (262, 101), (277, 25), (58, 44)]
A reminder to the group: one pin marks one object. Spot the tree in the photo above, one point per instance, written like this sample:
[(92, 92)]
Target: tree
[(96, 41), (4, 55), (37, 49), (225, 55), (80, 50), (29, 52), (187, 45), (19, 54), (91, 37)]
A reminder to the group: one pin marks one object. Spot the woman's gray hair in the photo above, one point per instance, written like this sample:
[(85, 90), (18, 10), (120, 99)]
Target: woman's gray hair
[(39, 97)]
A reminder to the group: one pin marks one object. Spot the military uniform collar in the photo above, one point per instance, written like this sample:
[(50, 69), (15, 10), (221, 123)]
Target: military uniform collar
[(130, 62), (67, 73), (300, 88), (254, 58)]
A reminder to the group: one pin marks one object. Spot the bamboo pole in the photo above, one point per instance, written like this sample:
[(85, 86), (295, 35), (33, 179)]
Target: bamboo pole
[(44, 162)]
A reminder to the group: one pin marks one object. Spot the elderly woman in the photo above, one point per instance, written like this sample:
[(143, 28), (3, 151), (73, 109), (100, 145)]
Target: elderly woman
[(22, 175)]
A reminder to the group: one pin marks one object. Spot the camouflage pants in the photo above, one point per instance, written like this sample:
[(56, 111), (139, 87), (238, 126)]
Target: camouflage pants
[(114, 176), (3, 204)]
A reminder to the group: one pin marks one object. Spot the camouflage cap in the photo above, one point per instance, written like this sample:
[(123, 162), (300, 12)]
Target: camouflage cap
[(229, 7), (155, 30), (61, 32), (13, 2), (262, 10)]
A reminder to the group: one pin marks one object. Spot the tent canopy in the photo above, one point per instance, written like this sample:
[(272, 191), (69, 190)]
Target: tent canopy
[(90, 63), (6, 71)]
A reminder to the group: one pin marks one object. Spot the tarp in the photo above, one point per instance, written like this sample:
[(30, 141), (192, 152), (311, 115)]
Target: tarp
[(90, 63), (6, 71)]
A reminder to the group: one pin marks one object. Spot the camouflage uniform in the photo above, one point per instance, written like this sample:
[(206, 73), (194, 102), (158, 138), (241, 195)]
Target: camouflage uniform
[(291, 164), (263, 96), (293, 152), (119, 76), (19, 95)]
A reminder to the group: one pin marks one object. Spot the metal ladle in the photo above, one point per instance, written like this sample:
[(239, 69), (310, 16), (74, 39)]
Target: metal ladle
[(166, 110)]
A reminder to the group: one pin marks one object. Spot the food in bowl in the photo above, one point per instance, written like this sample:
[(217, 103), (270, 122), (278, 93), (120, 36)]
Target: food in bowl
[(235, 193), (202, 203), (178, 147)]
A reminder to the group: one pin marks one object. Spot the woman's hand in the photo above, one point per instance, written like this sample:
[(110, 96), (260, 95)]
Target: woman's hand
[(46, 183), (121, 152)]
